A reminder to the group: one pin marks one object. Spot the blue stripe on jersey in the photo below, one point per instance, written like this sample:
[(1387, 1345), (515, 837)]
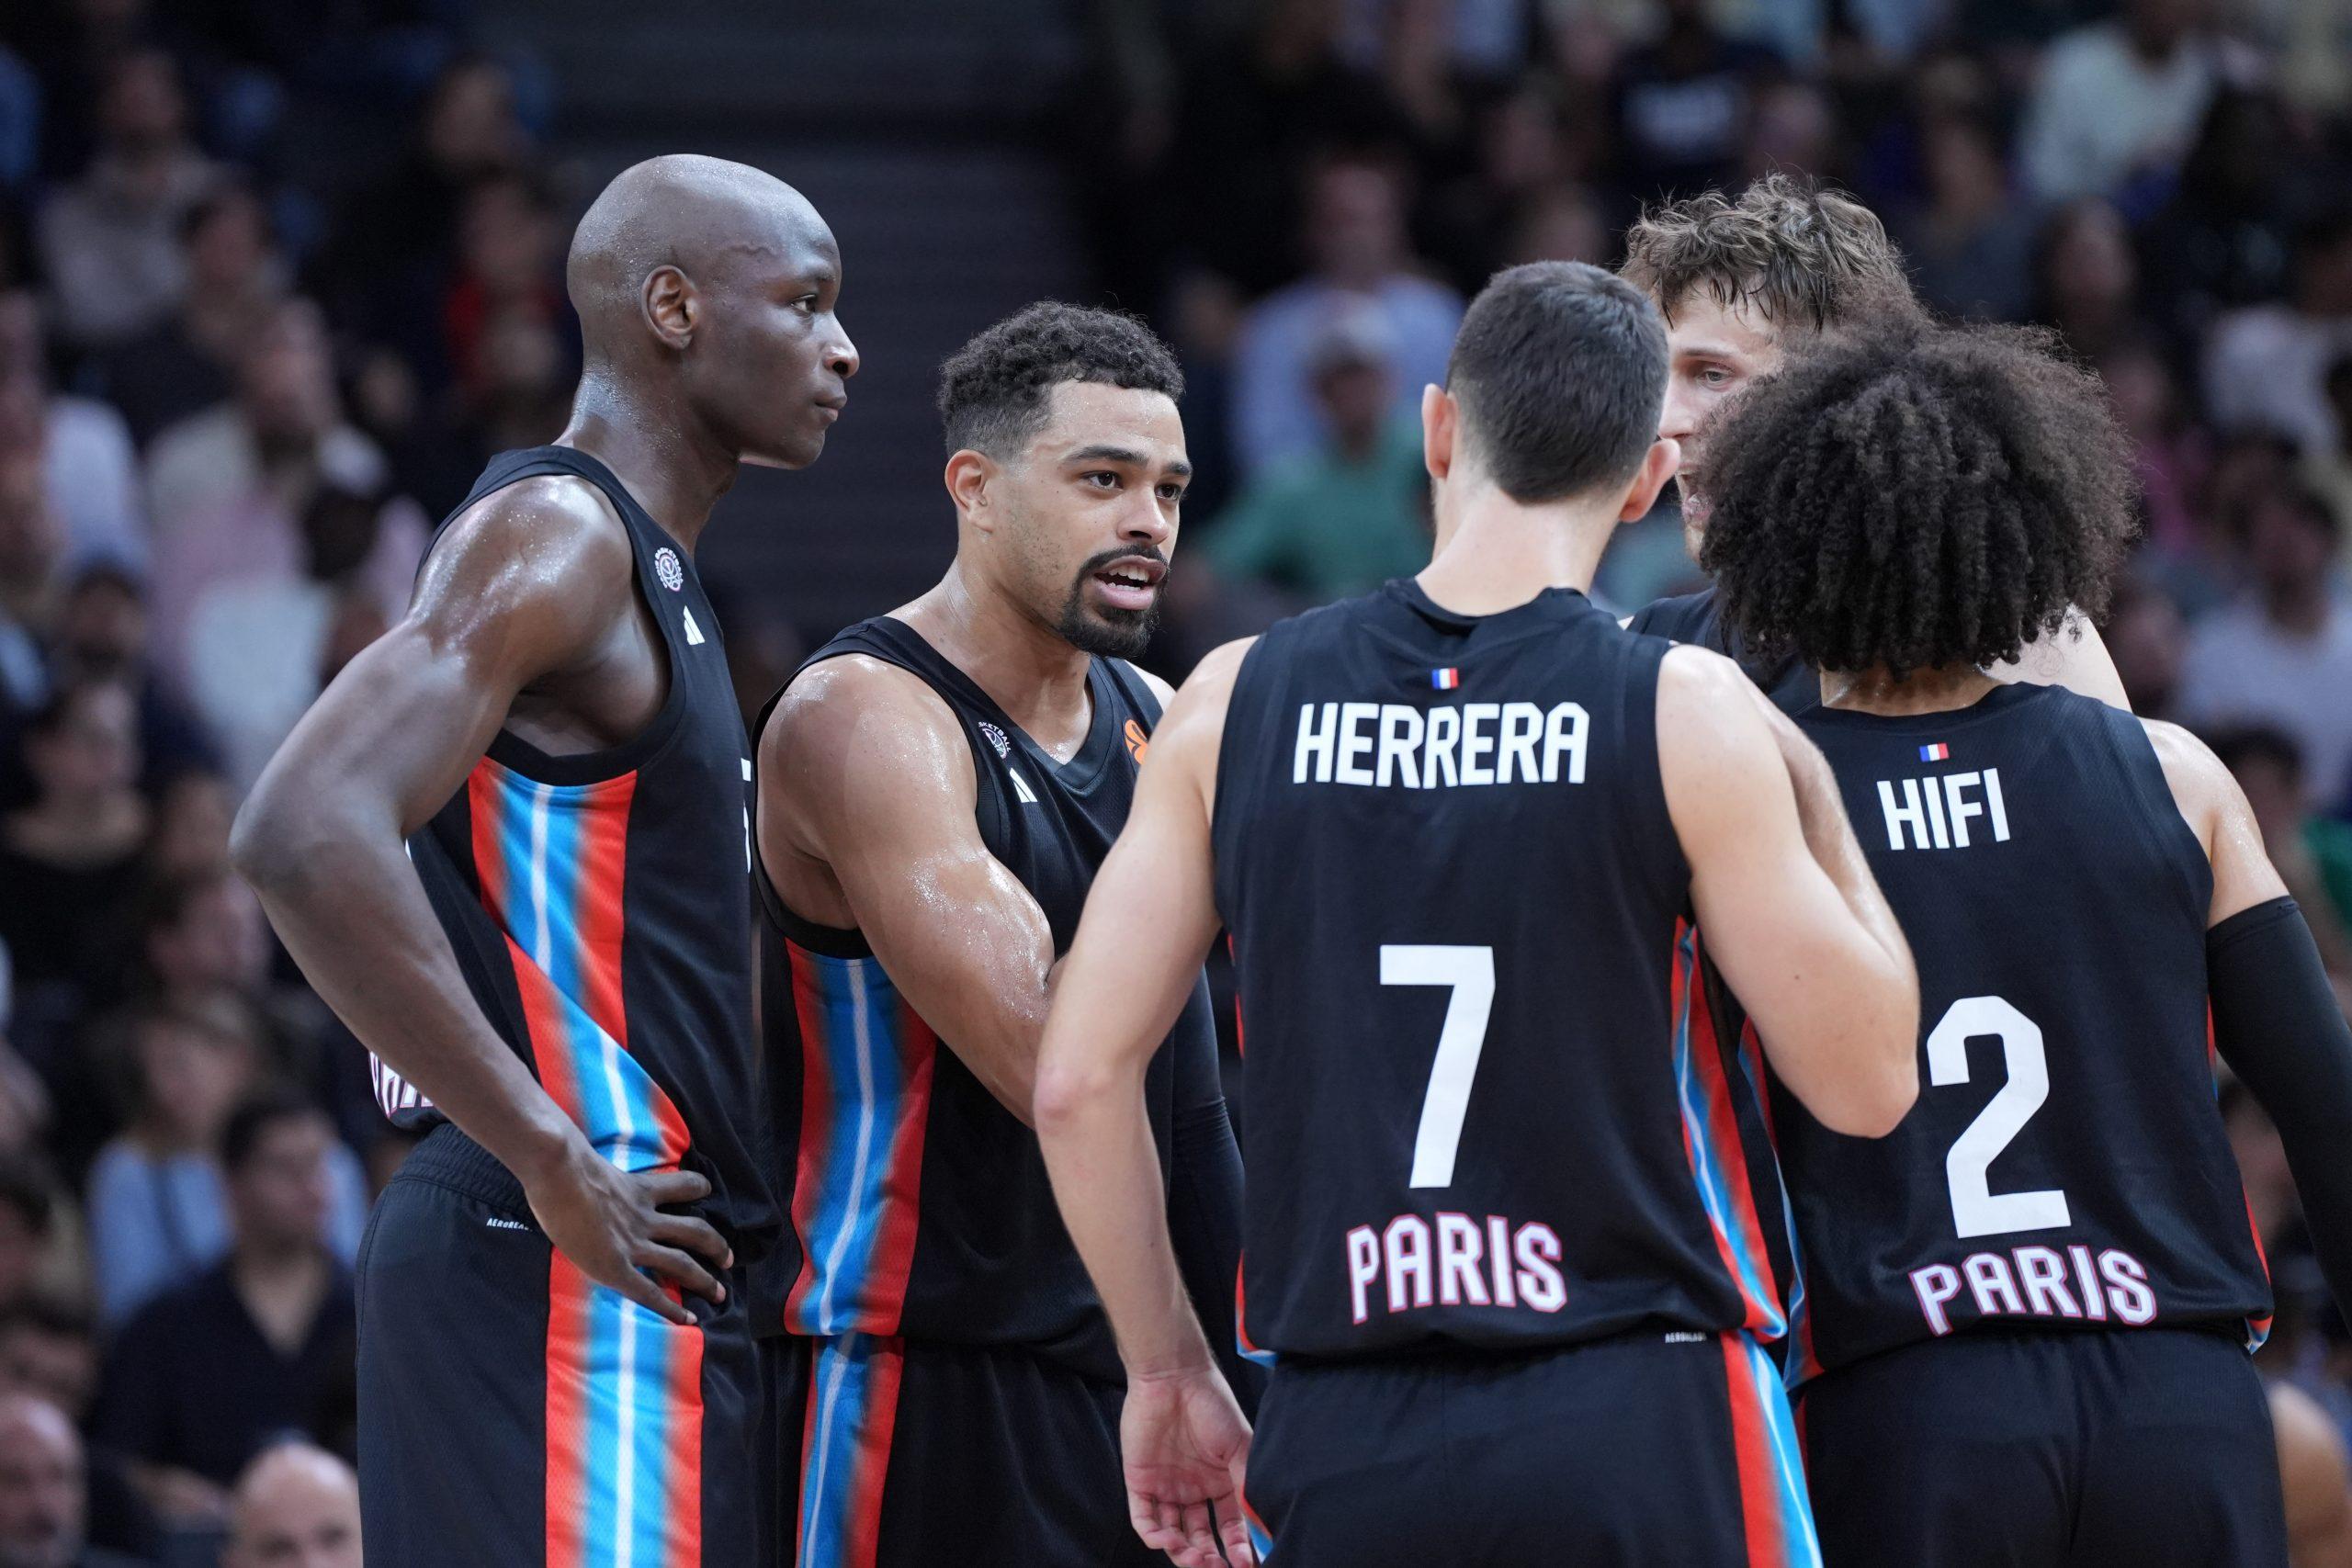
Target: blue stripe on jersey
[(1801, 1544), (859, 1008), (1707, 1160)]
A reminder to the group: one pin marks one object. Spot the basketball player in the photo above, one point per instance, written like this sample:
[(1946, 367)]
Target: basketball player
[(2028, 1307), (1496, 1237), (936, 788), (1744, 284), (556, 1362)]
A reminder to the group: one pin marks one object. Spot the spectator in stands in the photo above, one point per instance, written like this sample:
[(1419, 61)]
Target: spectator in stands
[(2227, 237), (27, 1208), (1970, 247), (158, 1213), (49, 1351), (2169, 452), (85, 450), (2328, 470), (259, 1345), (1355, 232), (2086, 279), (2314, 853), (2119, 101), (193, 813), (1349, 515), (187, 364), (110, 241), (70, 860), (1684, 103), (2283, 652), (157, 1218), (297, 1507), (509, 272), (101, 634), (44, 1494), (2149, 642), (2267, 366), (32, 551), (1558, 224)]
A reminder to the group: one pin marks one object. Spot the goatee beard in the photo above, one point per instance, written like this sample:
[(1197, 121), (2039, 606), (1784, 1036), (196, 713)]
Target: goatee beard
[(1109, 634)]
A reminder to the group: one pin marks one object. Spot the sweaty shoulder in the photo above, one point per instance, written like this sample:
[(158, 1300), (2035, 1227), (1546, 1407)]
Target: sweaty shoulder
[(856, 721), (2217, 811), (537, 572)]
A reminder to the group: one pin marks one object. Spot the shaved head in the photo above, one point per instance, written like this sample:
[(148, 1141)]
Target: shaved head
[(296, 1507), (714, 284)]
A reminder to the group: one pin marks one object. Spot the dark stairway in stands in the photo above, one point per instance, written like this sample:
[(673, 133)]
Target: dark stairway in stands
[(912, 124)]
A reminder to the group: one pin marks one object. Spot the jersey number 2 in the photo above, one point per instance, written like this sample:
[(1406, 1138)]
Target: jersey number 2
[(1977, 1208), (1470, 971)]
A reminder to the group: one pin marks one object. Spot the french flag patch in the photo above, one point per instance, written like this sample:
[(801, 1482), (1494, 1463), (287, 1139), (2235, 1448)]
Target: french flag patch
[(1935, 753), (1445, 680)]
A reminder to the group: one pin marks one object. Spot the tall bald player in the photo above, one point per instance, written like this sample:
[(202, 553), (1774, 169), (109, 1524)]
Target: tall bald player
[(508, 846)]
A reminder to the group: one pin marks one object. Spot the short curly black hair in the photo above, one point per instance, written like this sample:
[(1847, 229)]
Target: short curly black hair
[(1918, 500), (993, 392)]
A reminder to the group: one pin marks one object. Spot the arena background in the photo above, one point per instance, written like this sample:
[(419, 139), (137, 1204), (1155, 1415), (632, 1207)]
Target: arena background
[(277, 275)]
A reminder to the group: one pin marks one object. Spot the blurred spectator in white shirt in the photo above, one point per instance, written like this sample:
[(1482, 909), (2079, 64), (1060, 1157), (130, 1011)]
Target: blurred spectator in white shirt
[(90, 469), (2119, 100), (1355, 236), (2267, 366)]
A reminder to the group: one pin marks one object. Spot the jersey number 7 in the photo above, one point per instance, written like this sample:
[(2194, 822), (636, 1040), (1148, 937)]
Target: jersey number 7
[(1470, 971)]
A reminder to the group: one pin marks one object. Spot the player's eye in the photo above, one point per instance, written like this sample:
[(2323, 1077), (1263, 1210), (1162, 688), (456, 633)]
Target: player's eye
[(1171, 491), (806, 304), (1715, 376)]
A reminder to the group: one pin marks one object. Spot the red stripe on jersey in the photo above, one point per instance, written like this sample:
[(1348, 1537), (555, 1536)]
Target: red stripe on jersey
[(2259, 1325), (894, 1249), (567, 1413), (1240, 1046), (681, 1527), (543, 1021), (483, 810), (862, 1531), (1723, 1126), (815, 1123), (1760, 1506), (1241, 1312)]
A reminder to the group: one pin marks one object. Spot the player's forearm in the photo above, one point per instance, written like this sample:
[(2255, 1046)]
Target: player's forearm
[(340, 891), (1105, 1170), (1829, 836)]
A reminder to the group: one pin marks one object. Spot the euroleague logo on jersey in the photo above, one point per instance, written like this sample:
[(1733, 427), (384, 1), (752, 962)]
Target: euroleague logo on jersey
[(1138, 741), (667, 567)]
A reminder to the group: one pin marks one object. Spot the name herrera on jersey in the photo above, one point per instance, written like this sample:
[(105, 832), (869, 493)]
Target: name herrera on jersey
[(1385, 744)]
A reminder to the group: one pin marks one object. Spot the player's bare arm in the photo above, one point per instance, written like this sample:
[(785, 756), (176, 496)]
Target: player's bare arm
[(866, 822), (1148, 924), (526, 609), (2275, 1021), (1787, 904)]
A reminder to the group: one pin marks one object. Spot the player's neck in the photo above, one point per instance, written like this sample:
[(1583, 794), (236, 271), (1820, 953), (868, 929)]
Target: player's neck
[(1495, 554), (676, 474), (1026, 667), (1922, 691)]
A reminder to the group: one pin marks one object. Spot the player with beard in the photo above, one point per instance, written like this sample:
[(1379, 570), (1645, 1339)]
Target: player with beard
[(1745, 283), (936, 787)]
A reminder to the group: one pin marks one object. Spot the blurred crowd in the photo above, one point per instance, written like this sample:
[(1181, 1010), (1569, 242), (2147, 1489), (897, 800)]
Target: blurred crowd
[(1302, 193), (276, 276)]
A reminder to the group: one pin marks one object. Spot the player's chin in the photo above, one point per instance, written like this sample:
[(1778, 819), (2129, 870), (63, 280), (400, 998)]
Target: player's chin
[(795, 451), (1113, 630)]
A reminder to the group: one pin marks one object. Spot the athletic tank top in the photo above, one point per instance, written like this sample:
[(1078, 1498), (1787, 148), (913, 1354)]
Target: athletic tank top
[(2066, 1165), (598, 906), (1483, 1109), (1698, 619), (920, 1203)]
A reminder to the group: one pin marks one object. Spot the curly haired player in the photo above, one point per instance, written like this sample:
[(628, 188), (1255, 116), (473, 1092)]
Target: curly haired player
[(2025, 1313)]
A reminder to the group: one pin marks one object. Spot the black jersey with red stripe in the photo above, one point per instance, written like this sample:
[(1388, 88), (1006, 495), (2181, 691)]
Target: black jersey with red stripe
[(1487, 1106), (2066, 1165), (598, 906), (1698, 619), (921, 1204)]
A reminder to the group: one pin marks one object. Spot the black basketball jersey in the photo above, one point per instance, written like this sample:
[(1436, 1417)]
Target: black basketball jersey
[(1698, 619), (922, 1205), (597, 904), (2066, 1165), (1484, 1109)]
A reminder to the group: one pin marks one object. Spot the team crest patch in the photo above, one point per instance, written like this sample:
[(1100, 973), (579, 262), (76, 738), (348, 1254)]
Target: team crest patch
[(997, 739), (666, 568)]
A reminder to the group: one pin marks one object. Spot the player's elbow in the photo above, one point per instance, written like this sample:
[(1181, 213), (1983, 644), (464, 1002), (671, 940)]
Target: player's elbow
[(278, 835), (1068, 1091), (1880, 1082)]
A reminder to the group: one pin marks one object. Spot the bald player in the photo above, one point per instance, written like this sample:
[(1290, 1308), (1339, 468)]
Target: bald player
[(296, 1507), (508, 846)]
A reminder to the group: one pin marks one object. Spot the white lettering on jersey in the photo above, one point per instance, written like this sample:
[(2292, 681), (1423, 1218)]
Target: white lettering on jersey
[(2032, 1280), (1398, 746), (1935, 810), (1454, 1260)]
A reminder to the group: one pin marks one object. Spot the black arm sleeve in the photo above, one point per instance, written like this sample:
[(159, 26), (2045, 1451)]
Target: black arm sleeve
[(2277, 1023), (1204, 1206)]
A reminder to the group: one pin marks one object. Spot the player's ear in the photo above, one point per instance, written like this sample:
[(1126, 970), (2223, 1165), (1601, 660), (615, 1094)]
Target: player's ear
[(967, 476), (1440, 424), (1658, 464), (673, 306)]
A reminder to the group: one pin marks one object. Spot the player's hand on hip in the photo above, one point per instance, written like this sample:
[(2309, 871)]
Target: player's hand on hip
[(1184, 1443), (610, 1223)]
